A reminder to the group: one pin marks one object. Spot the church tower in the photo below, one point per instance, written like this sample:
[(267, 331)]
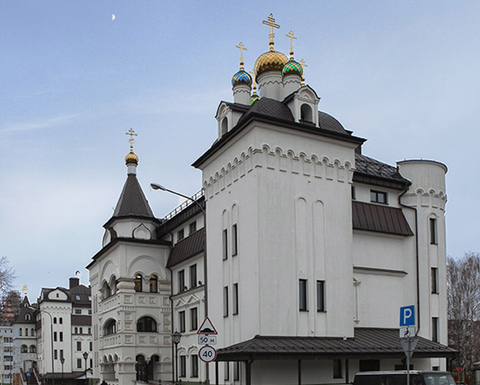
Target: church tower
[(130, 291)]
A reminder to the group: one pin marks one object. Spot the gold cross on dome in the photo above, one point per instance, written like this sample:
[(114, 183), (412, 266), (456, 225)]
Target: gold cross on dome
[(242, 48), (292, 38), (131, 140), (25, 289), (302, 63), (271, 23)]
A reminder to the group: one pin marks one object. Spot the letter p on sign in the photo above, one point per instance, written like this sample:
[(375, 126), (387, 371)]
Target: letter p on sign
[(407, 316)]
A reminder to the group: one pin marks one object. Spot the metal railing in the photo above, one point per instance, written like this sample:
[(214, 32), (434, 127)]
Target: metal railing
[(183, 206)]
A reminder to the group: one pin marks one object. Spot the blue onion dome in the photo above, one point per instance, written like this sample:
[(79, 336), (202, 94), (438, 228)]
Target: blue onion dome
[(241, 77), (292, 67)]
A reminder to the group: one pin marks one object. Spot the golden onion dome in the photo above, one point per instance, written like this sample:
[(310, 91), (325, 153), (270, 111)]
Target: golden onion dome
[(131, 158), (270, 61)]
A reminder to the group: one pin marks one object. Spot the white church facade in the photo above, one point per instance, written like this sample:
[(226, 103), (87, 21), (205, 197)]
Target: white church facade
[(300, 249)]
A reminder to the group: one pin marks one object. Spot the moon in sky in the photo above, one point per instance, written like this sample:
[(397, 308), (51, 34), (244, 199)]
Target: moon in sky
[(113, 16)]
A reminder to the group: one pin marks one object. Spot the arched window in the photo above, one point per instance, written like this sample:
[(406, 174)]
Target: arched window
[(106, 290), (28, 317), (306, 113), (32, 349), (224, 125), (146, 324), (110, 327), (153, 284), (54, 320), (76, 331), (26, 332), (20, 332), (24, 349), (141, 368), (113, 285), (138, 282), (33, 332)]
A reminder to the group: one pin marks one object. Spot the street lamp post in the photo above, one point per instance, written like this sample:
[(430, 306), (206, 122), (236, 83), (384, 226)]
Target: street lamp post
[(176, 337), (62, 361), (156, 186), (85, 356), (51, 342)]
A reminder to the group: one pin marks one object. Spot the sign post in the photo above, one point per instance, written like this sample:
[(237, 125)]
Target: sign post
[(408, 340), (207, 335)]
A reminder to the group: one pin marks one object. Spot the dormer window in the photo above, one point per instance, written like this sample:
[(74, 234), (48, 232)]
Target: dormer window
[(306, 114), (378, 197)]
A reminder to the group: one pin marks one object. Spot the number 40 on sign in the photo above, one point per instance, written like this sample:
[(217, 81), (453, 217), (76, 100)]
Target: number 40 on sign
[(207, 354)]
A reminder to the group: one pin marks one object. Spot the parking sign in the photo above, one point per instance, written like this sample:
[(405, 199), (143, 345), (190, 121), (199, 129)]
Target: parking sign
[(407, 316)]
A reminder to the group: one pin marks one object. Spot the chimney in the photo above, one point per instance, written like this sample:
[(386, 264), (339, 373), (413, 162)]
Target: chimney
[(74, 282)]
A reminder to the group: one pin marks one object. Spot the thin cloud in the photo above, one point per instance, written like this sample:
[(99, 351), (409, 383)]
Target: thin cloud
[(41, 124)]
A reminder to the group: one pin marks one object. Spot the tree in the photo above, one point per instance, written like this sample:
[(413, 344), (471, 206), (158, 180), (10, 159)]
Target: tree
[(463, 285), (7, 276), (10, 307)]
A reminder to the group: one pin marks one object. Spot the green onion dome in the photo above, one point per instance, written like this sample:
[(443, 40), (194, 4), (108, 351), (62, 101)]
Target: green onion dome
[(292, 68)]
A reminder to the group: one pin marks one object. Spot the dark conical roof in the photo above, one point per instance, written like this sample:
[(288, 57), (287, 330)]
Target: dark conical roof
[(132, 201)]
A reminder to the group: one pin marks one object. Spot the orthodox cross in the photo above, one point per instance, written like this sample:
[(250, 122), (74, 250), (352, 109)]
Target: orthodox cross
[(254, 80), (131, 140), (271, 23), (25, 289), (241, 47), (292, 38), (302, 63)]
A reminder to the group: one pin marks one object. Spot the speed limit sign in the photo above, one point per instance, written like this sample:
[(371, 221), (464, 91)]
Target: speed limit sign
[(207, 354)]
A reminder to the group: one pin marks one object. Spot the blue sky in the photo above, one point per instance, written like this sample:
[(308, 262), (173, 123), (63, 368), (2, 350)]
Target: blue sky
[(404, 75)]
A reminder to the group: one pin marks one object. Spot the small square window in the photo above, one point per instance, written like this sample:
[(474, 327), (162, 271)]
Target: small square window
[(378, 197)]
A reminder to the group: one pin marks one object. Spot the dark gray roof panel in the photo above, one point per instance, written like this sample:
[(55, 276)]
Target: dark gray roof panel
[(271, 108), (187, 247), (369, 170), (328, 122), (367, 343), (132, 201)]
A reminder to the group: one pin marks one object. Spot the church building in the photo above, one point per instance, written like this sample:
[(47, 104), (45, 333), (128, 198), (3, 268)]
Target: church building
[(299, 248)]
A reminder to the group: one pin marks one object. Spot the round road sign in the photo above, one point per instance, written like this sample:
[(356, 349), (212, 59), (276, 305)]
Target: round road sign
[(207, 354)]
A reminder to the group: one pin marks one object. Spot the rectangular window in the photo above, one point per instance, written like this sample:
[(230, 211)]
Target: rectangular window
[(61, 353), (434, 279), (55, 336), (226, 371), (183, 366), (79, 346), (61, 336), (321, 296), (235, 299), (193, 276), (435, 329), (234, 239), (225, 301), (433, 231), (181, 321), (225, 244), (78, 311), (337, 369), (193, 319), (60, 320), (302, 295), (192, 227), (181, 281), (236, 371), (55, 354), (79, 363), (354, 193), (378, 197), (180, 235), (90, 345), (194, 366)]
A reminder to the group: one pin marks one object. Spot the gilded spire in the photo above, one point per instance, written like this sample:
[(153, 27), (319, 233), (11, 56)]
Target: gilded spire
[(242, 48), (271, 23), (292, 38)]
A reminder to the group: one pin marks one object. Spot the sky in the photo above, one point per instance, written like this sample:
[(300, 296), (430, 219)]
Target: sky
[(74, 79)]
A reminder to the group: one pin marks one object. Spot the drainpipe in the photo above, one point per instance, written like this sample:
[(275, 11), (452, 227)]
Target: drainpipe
[(416, 254)]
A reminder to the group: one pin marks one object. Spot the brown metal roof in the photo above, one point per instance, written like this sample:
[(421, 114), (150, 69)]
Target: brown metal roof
[(368, 343), (187, 247), (81, 320), (382, 219)]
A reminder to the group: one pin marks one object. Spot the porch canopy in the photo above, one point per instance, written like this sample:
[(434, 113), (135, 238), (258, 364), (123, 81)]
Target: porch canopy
[(367, 344)]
